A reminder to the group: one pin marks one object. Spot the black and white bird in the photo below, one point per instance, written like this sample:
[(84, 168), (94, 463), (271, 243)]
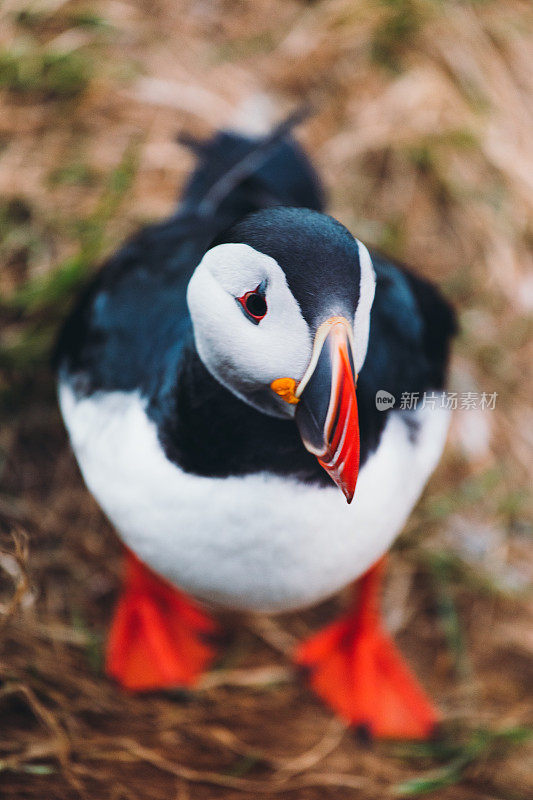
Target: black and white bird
[(217, 379)]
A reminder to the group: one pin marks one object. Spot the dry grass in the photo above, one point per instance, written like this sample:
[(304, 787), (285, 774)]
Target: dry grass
[(423, 134)]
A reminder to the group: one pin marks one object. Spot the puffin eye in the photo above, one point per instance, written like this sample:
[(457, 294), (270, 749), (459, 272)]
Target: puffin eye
[(254, 304)]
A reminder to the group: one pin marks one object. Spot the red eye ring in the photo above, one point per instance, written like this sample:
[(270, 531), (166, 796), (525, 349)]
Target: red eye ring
[(254, 304)]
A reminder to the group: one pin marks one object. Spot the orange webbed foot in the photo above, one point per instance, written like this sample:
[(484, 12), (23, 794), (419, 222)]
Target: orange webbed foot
[(355, 668), (158, 638)]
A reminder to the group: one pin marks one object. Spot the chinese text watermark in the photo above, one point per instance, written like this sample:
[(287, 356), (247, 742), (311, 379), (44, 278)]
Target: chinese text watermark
[(410, 401)]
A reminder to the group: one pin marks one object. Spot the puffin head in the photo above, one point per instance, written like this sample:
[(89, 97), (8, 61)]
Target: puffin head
[(280, 306)]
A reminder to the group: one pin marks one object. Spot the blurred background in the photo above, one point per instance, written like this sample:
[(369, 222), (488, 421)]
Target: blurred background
[(422, 131)]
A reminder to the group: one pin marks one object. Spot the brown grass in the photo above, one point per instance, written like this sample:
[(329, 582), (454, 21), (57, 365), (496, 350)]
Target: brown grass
[(422, 131)]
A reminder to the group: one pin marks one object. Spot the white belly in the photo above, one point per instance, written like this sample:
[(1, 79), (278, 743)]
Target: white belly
[(259, 542)]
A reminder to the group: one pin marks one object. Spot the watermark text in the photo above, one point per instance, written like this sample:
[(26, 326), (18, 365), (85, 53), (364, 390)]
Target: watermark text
[(410, 401)]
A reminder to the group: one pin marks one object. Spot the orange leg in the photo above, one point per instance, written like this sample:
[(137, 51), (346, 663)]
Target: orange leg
[(158, 637), (356, 668)]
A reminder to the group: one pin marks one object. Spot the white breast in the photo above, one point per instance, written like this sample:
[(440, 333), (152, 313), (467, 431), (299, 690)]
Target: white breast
[(259, 542)]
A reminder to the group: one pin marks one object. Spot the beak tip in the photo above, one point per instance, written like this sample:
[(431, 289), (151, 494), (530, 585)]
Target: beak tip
[(348, 493)]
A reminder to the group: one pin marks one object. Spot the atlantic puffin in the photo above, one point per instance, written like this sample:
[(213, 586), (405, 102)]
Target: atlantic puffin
[(218, 381)]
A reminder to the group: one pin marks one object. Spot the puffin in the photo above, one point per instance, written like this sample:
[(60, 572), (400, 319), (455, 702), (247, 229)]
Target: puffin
[(221, 380)]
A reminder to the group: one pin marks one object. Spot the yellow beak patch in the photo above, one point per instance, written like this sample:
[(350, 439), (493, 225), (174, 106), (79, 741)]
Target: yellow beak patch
[(286, 388)]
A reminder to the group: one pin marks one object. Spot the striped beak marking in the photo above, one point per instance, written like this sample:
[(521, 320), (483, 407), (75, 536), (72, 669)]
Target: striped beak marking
[(326, 413)]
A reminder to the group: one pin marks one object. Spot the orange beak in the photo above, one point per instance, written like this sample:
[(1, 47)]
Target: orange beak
[(326, 414)]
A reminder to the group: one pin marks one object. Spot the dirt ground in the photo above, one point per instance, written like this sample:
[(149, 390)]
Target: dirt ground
[(421, 129)]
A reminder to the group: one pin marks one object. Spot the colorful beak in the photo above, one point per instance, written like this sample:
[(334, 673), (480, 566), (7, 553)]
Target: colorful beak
[(326, 414)]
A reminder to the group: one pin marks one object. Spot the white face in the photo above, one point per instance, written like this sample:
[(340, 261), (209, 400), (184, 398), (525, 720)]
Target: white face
[(361, 325), (246, 357)]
